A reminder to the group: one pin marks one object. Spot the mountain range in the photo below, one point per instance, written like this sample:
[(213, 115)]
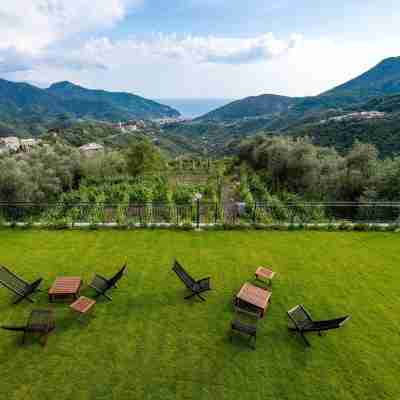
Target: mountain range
[(25, 103), (381, 80), (26, 110), (337, 117)]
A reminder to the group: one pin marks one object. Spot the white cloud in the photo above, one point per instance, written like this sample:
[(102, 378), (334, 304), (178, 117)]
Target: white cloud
[(29, 28), (12, 60), (196, 49), (168, 66)]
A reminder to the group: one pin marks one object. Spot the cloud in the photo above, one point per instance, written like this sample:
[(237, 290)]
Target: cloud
[(28, 29), (198, 49), (12, 60), (34, 24)]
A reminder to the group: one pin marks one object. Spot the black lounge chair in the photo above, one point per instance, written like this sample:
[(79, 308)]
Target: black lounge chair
[(196, 287), (17, 285), (40, 321), (101, 285), (304, 323), (245, 323)]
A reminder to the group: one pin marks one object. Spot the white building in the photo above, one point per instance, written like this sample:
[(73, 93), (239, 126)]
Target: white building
[(356, 116), (91, 149), (9, 144), (27, 144)]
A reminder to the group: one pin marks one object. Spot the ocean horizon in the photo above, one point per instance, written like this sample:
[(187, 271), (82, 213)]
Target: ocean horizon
[(193, 108)]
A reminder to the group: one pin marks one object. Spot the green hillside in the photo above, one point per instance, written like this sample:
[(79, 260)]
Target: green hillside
[(27, 109), (266, 104), (101, 104), (383, 79)]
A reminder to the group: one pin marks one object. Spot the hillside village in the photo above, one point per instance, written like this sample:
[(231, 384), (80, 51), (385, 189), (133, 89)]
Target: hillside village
[(13, 144), (362, 115)]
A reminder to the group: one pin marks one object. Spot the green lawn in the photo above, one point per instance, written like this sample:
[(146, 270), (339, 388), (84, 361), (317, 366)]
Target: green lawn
[(150, 343)]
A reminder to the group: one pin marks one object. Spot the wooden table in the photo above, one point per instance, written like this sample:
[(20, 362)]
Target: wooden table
[(255, 296), (83, 305), (264, 273), (64, 287)]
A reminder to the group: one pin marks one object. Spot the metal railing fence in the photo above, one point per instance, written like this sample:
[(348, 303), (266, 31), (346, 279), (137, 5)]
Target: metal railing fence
[(200, 212)]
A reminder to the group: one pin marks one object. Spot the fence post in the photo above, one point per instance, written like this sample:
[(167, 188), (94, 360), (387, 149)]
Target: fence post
[(198, 214), (254, 213)]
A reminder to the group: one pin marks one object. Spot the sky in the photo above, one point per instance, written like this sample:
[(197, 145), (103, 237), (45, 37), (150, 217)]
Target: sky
[(196, 48)]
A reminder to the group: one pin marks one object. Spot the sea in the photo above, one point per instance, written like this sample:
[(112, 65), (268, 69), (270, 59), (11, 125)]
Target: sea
[(193, 108)]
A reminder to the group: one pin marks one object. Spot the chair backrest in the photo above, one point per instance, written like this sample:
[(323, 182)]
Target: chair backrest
[(183, 275), (299, 316), (12, 281), (118, 275)]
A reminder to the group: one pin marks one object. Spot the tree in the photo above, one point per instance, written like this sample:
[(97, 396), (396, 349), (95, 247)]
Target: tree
[(143, 157)]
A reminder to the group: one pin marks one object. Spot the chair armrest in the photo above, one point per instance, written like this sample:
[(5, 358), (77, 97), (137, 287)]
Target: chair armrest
[(100, 277)]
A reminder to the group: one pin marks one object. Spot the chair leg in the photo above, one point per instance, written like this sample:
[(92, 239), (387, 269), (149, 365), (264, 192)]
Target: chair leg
[(44, 337), (195, 294), (201, 297), (305, 339), (107, 296), (20, 298)]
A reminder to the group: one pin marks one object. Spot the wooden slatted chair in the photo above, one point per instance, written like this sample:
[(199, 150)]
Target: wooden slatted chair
[(196, 287), (245, 323), (39, 322), (17, 285), (101, 285), (303, 322)]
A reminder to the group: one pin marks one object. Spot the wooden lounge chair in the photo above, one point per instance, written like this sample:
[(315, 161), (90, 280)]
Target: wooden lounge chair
[(196, 287), (302, 322), (39, 321), (17, 285), (101, 285), (245, 323)]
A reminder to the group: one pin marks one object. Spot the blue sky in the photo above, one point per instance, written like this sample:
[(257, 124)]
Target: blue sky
[(196, 48), (252, 17)]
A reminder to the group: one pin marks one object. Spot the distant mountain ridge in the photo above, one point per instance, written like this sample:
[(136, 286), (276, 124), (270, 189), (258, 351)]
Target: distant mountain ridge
[(381, 80), (266, 104), (22, 101)]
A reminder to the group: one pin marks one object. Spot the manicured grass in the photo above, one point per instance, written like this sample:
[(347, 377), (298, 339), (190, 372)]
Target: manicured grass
[(150, 343)]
